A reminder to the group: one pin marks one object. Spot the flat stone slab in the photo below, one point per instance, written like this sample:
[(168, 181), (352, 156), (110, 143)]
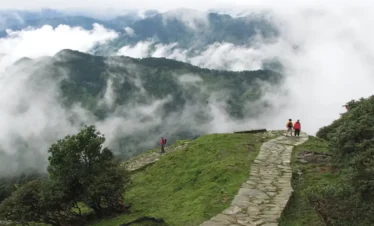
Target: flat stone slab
[(262, 198)]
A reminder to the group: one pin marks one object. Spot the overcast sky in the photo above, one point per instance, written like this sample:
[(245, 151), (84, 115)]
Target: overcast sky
[(170, 4)]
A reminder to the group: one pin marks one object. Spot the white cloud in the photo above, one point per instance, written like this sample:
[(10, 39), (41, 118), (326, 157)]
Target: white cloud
[(194, 19), (140, 50), (327, 53), (331, 65), (224, 56), (31, 112), (129, 31), (115, 6), (189, 79), (47, 41)]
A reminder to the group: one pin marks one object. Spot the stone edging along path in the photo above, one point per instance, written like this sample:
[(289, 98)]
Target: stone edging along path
[(262, 198)]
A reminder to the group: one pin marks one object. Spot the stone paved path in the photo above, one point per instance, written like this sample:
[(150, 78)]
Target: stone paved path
[(262, 198)]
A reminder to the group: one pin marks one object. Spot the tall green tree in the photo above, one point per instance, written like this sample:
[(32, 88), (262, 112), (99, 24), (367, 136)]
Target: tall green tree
[(88, 172)]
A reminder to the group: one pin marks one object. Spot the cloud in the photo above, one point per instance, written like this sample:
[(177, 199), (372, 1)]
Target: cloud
[(194, 19), (326, 51), (31, 115), (47, 41), (129, 31), (330, 66), (140, 50), (223, 56), (116, 6)]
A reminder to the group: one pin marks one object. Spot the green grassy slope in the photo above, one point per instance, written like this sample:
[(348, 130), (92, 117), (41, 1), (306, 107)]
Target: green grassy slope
[(299, 211), (191, 185)]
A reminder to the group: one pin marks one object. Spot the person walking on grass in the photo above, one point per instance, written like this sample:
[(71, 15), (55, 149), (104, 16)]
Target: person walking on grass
[(297, 128), (162, 143), (289, 126)]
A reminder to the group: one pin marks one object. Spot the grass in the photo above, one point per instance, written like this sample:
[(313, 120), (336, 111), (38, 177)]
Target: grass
[(178, 143), (298, 211), (189, 186)]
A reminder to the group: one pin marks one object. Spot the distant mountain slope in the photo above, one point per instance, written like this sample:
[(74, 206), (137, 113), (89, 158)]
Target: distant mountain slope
[(141, 80), (194, 29), (73, 21), (20, 19), (133, 101), (186, 29)]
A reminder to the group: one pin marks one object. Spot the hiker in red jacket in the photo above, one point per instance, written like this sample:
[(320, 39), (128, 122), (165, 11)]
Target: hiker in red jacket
[(162, 143), (297, 128)]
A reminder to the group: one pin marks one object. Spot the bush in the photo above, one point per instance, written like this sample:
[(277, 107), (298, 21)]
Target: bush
[(352, 144), (80, 171)]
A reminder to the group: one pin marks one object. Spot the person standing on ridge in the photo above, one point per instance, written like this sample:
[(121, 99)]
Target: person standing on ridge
[(162, 143), (289, 126), (297, 127)]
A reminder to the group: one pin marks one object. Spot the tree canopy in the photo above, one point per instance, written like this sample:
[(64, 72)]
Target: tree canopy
[(81, 171), (349, 201)]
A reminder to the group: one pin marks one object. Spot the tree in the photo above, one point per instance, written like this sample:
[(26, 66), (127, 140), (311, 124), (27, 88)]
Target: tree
[(23, 206), (80, 170), (28, 204), (352, 144), (37, 201), (87, 172), (10, 183)]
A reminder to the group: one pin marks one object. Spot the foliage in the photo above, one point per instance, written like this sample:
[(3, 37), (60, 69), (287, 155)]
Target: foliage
[(337, 205), (355, 135), (81, 171), (10, 183), (299, 211), (347, 200), (326, 132), (191, 185), (88, 172), (24, 204)]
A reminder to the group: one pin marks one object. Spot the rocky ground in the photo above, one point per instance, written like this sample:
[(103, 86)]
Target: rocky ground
[(149, 158), (262, 198)]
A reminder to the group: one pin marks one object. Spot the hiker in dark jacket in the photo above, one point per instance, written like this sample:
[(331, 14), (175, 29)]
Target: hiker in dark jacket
[(162, 143), (289, 126)]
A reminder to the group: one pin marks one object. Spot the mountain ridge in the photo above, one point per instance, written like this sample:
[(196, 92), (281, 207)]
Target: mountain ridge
[(166, 97)]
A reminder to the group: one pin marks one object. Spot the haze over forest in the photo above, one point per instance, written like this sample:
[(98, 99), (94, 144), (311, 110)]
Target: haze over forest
[(61, 68)]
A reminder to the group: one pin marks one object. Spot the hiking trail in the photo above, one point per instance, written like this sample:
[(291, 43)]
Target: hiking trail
[(262, 198), (149, 158)]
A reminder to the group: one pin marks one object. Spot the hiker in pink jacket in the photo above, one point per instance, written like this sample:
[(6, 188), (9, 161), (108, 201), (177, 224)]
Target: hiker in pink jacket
[(162, 143)]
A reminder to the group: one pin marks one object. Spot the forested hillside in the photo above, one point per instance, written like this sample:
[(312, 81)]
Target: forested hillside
[(133, 101)]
